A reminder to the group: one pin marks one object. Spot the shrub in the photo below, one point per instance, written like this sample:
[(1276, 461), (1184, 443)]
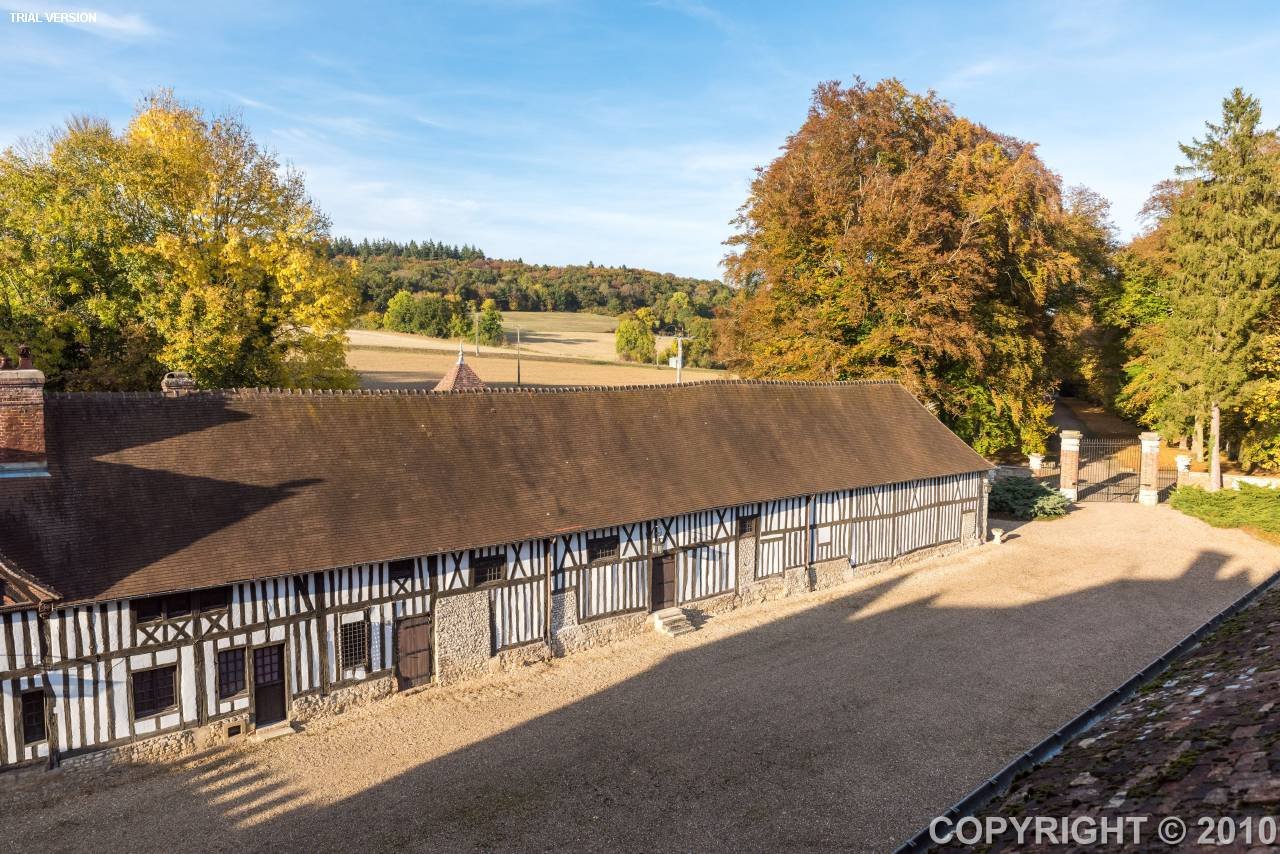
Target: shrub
[(491, 331), (634, 339), (1254, 508), (1025, 498)]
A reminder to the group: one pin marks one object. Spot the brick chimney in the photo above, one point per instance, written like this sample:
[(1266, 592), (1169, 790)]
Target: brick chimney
[(177, 384), (22, 452)]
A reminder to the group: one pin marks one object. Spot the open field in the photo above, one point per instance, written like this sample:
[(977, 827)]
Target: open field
[(841, 720), (559, 321), (381, 367), (554, 333)]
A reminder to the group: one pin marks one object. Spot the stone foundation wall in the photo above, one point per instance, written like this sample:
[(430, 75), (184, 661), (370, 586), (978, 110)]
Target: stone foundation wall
[(830, 573), (796, 580), (761, 590), (789, 583), (918, 556), (715, 604), (462, 636), (578, 636), (568, 635), (341, 699), (753, 590), (520, 656), (161, 748)]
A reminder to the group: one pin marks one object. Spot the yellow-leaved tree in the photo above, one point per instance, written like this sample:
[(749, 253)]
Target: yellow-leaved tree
[(176, 244)]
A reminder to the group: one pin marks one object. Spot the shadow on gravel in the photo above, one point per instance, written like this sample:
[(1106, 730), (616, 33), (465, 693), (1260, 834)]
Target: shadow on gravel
[(843, 726)]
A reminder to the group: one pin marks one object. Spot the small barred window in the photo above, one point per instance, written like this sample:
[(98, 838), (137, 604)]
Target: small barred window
[(354, 649), (602, 548), (487, 569)]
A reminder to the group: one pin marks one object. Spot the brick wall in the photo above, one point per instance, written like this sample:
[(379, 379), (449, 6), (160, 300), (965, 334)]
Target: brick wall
[(21, 417)]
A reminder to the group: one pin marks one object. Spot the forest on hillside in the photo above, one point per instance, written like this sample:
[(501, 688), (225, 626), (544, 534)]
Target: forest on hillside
[(387, 267), (440, 290)]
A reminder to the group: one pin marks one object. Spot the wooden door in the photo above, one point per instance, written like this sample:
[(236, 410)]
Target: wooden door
[(663, 582), (413, 651), (268, 685)]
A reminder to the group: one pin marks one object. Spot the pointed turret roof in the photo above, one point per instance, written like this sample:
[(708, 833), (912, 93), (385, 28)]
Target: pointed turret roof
[(460, 377)]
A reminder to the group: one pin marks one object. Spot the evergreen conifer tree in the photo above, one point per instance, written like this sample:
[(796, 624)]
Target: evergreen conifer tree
[(1224, 245)]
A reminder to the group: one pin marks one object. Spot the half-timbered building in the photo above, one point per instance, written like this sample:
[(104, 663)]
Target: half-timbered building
[(185, 568)]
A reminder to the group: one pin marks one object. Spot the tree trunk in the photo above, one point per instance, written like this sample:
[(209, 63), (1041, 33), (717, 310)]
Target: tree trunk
[(1197, 440), (1215, 437)]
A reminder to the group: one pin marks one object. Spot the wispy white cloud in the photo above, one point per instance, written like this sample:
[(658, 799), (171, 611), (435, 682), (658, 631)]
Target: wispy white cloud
[(352, 127), (664, 208), (246, 101), (130, 26), (975, 73), (120, 26), (698, 11)]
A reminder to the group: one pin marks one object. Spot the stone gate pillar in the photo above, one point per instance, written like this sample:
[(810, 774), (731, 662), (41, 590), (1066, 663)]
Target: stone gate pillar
[(1069, 462), (1149, 475), (1184, 467)]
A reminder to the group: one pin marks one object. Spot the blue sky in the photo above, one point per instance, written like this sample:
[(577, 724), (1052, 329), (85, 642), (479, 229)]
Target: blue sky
[(626, 132)]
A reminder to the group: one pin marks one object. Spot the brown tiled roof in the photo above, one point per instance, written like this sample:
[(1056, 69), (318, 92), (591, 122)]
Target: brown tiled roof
[(19, 590), (150, 493), (460, 378)]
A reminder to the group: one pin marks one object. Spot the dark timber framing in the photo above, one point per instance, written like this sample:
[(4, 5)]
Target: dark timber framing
[(82, 653)]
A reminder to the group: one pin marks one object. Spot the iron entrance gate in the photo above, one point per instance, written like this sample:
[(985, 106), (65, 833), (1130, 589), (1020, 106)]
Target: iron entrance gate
[(1109, 467)]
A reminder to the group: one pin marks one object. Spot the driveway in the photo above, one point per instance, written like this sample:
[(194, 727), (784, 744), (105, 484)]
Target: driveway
[(844, 719)]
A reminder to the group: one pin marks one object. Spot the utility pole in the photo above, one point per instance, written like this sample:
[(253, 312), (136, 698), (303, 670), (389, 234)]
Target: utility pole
[(517, 357), (679, 357), (475, 323)]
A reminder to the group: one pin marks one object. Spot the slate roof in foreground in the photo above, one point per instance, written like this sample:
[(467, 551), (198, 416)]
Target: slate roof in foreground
[(150, 494)]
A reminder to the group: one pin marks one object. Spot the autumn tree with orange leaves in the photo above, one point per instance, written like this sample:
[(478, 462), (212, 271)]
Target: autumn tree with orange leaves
[(895, 239)]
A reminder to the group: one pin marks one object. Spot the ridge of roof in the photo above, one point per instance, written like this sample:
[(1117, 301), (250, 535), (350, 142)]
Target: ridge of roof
[(150, 495), (272, 391)]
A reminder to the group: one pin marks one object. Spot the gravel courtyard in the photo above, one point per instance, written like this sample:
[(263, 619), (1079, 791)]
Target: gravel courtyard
[(844, 719)]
